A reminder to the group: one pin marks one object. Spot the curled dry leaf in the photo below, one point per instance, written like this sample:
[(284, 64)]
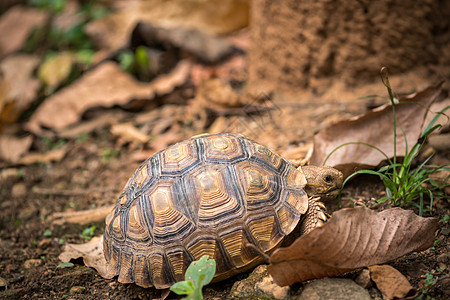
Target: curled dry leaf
[(214, 17), (376, 128), (352, 239), (52, 155), (16, 25), (391, 282), (92, 254), (18, 88), (106, 86), (129, 133)]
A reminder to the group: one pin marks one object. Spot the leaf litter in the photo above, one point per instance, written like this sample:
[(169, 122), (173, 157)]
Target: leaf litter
[(105, 86)]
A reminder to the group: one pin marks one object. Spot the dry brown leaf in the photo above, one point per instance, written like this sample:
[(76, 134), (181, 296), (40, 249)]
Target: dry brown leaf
[(105, 86), (205, 47), (375, 128), (213, 17), (92, 254), (391, 283), (81, 217), (17, 86), (16, 25), (12, 148), (129, 133), (52, 155), (56, 69), (352, 239)]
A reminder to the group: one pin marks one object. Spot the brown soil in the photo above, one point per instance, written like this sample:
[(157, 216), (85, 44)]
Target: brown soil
[(306, 45)]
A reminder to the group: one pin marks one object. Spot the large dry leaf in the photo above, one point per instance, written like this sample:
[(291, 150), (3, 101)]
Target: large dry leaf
[(105, 86), (391, 282), (205, 47), (213, 17), (17, 86), (352, 239), (92, 254), (16, 25), (376, 128)]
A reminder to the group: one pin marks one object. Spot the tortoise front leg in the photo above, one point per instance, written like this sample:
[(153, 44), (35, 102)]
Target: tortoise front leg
[(315, 216)]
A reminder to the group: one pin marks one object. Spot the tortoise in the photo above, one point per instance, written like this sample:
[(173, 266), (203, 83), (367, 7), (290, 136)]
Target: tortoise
[(220, 195)]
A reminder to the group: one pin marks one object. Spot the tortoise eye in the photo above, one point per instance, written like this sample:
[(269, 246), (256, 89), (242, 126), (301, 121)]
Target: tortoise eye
[(327, 178)]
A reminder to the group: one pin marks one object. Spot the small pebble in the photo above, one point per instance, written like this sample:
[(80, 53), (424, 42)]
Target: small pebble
[(77, 289), (31, 263), (363, 278)]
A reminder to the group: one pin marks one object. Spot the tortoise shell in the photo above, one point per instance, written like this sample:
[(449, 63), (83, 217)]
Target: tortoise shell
[(209, 195)]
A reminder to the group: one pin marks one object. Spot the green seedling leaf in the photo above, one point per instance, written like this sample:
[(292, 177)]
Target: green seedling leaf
[(201, 272), (47, 233), (183, 288), (65, 265)]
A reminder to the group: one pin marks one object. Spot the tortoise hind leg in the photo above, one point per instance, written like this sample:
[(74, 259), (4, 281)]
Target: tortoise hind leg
[(315, 216)]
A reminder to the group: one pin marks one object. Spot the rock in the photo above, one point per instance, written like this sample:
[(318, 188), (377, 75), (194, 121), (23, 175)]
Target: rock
[(19, 190), (334, 288), (77, 289), (258, 285), (444, 284), (270, 288), (32, 263), (444, 258), (363, 278)]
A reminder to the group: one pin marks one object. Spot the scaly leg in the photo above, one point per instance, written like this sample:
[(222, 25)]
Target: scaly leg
[(316, 216)]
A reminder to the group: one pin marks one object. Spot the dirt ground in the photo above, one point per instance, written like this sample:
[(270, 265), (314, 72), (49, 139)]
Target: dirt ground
[(89, 176)]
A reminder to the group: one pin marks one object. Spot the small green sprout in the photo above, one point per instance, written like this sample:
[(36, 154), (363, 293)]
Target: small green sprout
[(445, 219), (109, 153), (88, 233), (65, 265), (47, 233), (197, 275)]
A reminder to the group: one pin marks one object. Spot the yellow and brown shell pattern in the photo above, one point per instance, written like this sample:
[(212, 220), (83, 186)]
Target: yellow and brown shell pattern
[(212, 195)]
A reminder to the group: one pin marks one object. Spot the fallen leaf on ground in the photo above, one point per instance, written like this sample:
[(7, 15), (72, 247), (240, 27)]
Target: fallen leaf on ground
[(52, 155), (92, 254), (12, 148), (16, 25), (206, 48), (352, 239), (376, 128), (391, 283), (105, 86), (129, 133), (214, 17), (81, 217), (17, 86), (56, 69)]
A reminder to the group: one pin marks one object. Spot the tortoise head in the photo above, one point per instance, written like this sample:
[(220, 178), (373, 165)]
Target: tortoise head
[(324, 182)]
